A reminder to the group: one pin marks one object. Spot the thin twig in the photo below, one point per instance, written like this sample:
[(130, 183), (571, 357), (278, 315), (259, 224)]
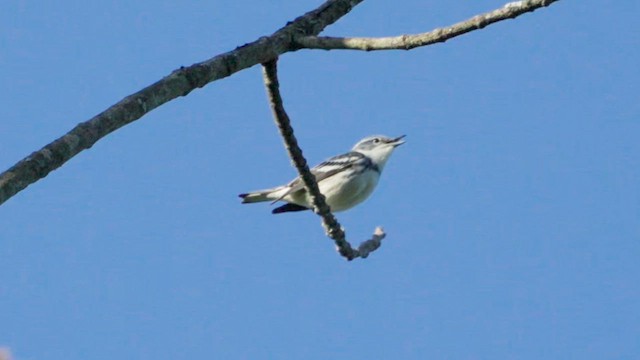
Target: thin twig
[(320, 207), (408, 42)]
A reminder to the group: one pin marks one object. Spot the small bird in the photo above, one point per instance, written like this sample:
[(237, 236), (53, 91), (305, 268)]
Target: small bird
[(345, 180)]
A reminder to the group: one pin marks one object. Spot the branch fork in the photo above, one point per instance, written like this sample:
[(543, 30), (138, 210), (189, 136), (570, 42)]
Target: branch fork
[(300, 33)]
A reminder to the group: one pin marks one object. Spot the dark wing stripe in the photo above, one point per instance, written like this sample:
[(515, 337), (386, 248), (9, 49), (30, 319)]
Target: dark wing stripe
[(288, 208)]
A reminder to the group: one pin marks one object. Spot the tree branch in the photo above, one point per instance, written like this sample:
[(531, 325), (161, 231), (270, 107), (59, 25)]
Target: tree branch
[(320, 207), (179, 83), (408, 42), (298, 34)]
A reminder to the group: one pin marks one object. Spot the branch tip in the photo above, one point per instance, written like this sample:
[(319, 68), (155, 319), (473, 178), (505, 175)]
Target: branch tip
[(439, 35)]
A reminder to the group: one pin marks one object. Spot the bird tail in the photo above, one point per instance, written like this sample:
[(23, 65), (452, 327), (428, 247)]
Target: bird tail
[(260, 195)]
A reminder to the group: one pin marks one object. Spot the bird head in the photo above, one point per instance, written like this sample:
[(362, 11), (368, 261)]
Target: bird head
[(378, 148)]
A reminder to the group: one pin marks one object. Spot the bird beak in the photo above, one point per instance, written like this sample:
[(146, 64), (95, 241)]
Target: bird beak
[(397, 141)]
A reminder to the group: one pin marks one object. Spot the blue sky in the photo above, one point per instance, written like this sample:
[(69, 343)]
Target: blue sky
[(511, 211)]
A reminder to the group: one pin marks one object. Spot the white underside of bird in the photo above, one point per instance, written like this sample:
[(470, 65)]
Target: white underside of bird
[(342, 193), (345, 180)]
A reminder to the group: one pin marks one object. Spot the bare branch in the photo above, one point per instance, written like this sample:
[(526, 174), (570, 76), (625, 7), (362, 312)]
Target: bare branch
[(298, 34), (179, 83), (408, 42), (329, 222)]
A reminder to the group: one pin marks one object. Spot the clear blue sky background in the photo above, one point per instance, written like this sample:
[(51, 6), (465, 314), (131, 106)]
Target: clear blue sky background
[(511, 212)]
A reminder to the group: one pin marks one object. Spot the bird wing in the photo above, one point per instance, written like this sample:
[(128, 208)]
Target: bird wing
[(325, 170)]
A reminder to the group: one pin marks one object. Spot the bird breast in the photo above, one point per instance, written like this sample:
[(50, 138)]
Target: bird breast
[(351, 192)]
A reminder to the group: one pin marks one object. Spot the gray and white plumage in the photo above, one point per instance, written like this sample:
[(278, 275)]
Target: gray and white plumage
[(345, 180)]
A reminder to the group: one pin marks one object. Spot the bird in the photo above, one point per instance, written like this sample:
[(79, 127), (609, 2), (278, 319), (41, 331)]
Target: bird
[(345, 180)]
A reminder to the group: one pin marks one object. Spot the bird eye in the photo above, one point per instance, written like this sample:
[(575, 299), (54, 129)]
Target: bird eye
[(376, 141)]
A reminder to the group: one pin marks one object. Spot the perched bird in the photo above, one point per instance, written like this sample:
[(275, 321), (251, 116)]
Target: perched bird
[(345, 180)]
